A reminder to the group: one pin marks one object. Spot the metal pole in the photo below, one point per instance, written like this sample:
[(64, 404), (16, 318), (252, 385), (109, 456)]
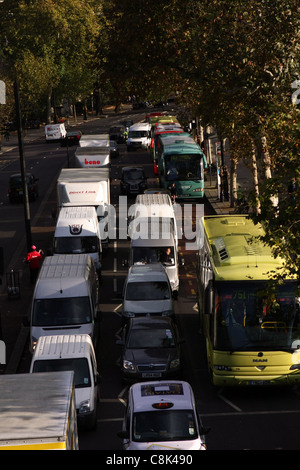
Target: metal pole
[(23, 168)]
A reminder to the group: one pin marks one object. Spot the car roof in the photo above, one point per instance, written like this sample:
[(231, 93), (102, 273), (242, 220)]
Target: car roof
[(145, 394)]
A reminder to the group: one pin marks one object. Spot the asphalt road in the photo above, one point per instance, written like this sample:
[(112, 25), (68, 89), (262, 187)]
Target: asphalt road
[(240, 419)]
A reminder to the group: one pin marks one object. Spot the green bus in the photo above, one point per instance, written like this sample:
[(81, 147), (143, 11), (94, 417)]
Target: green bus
[(252, 338), (181, 160)]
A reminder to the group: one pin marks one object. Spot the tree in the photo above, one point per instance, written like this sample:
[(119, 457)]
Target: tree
[(43, 39)]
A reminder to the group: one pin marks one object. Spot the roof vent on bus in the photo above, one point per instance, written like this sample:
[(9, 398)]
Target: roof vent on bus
[(221, 249)]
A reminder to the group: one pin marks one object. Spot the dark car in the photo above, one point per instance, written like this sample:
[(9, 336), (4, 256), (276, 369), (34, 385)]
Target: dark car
[(114, 149), (133, 180), (72, 138), (151, 348), (117, 133), (15, 187)]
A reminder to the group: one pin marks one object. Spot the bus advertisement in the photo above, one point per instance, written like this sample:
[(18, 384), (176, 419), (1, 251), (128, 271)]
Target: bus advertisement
[(252, 333)]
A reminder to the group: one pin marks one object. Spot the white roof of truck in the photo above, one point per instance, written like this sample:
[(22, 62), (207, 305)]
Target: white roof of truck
[(35, 406)]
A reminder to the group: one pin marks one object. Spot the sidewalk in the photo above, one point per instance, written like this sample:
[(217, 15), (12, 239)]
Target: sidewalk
[(14, 311)]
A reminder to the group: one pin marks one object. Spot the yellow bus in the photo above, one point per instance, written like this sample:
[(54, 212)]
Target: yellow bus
[(250, 339)]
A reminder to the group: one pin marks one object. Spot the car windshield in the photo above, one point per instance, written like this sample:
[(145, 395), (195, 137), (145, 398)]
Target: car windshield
[(245, 319), (155, 290), (145, 255), (63, 311), (151, 337), (71, 245), (164, 425), (134, 174), (79, 365)]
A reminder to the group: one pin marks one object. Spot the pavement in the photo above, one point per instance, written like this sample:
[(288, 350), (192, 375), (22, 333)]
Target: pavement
[(14, 311)]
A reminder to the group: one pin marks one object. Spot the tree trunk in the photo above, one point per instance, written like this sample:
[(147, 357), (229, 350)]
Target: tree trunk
[(255, 179), (48, 117), (233, 181)]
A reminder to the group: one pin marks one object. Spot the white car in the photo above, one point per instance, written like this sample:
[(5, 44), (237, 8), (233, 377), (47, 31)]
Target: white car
[(162, 415)]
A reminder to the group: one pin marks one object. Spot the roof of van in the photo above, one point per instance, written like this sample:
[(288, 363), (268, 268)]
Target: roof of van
[(62, 347), (76, 214), (149, 199), (77, 221), (63, 274), (145, 272)]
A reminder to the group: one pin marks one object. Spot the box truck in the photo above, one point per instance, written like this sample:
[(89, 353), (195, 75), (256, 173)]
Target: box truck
[(38, 411), (92, 157), (94, 140)]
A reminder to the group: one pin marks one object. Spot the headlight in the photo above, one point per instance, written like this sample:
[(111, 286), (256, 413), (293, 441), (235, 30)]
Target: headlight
[(175, 363), (128, 365), (84, 407)]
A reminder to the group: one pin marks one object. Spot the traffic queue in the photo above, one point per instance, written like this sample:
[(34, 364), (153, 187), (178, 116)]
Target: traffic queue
[(65, 306)]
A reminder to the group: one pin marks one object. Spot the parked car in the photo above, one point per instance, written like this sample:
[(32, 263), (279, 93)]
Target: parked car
[(114, 149), (133, 180), (15, 187), (151, 348), (117, 133), (72, 138)]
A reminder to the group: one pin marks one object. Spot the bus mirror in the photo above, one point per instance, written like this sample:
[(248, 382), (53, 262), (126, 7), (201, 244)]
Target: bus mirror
[(209, 298)]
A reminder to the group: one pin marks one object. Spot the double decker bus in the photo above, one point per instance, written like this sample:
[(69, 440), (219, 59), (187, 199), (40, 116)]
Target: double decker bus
[(181, 160), (252, 337)]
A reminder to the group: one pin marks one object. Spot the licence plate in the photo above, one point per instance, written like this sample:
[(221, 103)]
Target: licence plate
[(259, 382), (151, 374)]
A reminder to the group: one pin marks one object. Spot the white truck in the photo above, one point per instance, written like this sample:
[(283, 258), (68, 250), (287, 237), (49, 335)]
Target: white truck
[(83, 187), (92, 157), (38, 411), (94, 140)]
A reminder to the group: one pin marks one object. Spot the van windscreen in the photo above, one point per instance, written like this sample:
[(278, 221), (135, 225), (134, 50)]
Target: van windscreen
[(155, 290), (64, 311), (76, 245), (78, 364)]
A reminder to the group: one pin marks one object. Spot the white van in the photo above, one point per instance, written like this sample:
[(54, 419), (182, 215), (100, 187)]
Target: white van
[(139, 136), (162, 416), (147, 291), (77, 231), (72, 352), (92, 157), (55, 132), (65, 298), (154, 208)]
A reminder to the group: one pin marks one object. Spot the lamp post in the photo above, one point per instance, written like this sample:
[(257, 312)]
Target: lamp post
[(23, 168)]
